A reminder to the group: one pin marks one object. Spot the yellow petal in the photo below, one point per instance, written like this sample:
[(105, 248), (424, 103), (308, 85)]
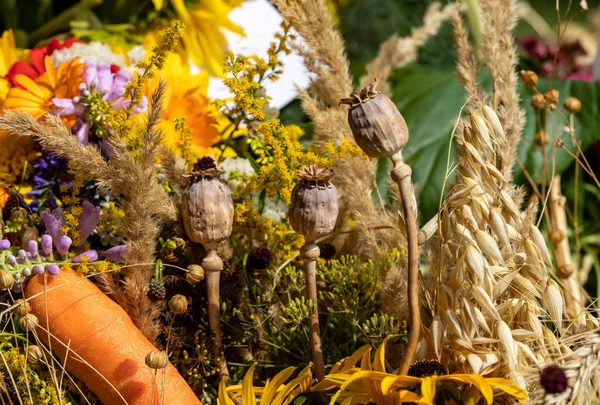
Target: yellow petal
[(408, 396), (30, 85), (223, 396), (398, 381), (157, 4), (428, 390), (478, 381), (248, 397), (379, 364), (508, 386), (273, 385)]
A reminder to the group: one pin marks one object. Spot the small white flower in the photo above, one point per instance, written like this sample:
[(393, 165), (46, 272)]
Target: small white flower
[(92, 51)]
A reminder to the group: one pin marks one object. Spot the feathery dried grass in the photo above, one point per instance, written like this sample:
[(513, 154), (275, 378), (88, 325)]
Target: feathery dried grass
[(145, 202), (466, 63), (396, 52), (497, 44)]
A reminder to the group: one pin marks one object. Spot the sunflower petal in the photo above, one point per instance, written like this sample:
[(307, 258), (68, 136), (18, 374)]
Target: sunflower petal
[(478, 381), (224, 398), (248, 397), (508, 387)]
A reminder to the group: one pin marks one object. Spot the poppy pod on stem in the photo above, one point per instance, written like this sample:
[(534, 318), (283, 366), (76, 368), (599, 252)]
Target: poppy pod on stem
[(207, 212), (380, 130), (313, 213)]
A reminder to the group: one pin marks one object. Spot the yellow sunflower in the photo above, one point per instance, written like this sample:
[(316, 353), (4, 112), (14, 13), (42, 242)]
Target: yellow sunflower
[(36, 95), (372, 383), (203, 37)]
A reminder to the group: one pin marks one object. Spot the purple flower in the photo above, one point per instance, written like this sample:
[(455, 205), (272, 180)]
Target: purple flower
[(64, 244), (4, 244), (53, 221), (52, 269), (12, 260), (116, 253), (47, 244), (88, 220), (27, 272), (38, 269), (65, 106), (85, 257), (32, 246)]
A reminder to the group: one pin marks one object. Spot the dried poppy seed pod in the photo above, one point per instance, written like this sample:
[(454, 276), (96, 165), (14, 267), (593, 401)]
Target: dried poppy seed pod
[(157, 360), (6, 280), (178, 304), (314, 208), (195, 274), (34, 354), (28, 322), (377, 125), (207, 208), (22, 307)]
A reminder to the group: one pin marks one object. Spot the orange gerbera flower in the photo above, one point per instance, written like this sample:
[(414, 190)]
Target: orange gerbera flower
[(185, 97), (36, 95)]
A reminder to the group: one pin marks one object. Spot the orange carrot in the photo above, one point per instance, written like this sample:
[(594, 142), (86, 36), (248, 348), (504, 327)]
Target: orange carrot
[(85, 321)]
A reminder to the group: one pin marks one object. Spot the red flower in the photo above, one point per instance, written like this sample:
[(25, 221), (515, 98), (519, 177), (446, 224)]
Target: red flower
[(36, 56)]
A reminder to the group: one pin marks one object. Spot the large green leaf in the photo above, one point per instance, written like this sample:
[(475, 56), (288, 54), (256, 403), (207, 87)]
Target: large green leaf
[(430, 102)]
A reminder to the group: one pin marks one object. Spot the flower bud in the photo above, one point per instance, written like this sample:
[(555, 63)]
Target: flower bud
[(47, 244), (34, 354), (11, 260), (18, 213), (195, 274), (551, 96), (4, 244), (21, 307), (38, 269), (32, 246), (86, 257), (52, 269), (538, 101), (529, 78), (6, 280), (157, 360), (22, 255), (28, 322), (572, 105), (542, 139), (178, 304), (207, 208), (26, 272), (314, 207), (377, 125), (64, 243)]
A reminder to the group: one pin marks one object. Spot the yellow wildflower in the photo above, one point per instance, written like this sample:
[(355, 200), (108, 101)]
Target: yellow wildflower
[(8, 56), (203, 38)]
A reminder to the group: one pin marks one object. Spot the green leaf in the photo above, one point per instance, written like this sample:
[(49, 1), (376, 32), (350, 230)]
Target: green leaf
[(430, 101)]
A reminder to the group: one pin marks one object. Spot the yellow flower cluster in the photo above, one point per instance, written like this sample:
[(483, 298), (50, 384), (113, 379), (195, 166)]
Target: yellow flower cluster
[(71, 208), (278, 237)]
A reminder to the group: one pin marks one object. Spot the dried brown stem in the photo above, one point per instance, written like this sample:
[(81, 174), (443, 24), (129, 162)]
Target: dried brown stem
[(566, 272), (310, 253), (401, 174), (213, 265)]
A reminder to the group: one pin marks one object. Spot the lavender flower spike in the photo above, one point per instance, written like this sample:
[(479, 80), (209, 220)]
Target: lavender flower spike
[(53, 222), (47, 244), (86, 257), (4, 244), (116, 253), (88, 220), (64, 244)]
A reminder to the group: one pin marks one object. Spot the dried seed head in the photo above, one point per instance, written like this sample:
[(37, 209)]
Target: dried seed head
[(475, 261), (529, 78), (207, 208), (551, 96), (377, 125), (572, 105), (195, 274), (6, 279), (481, 129), (178, 304), (554, 303), (492, 118), (542, 139), (538, 101), (157, 360), (22, 307), (314, 208), (540, 242), (553, 379), (488, 245), (28, 322), (508, 344), (34, 354)]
